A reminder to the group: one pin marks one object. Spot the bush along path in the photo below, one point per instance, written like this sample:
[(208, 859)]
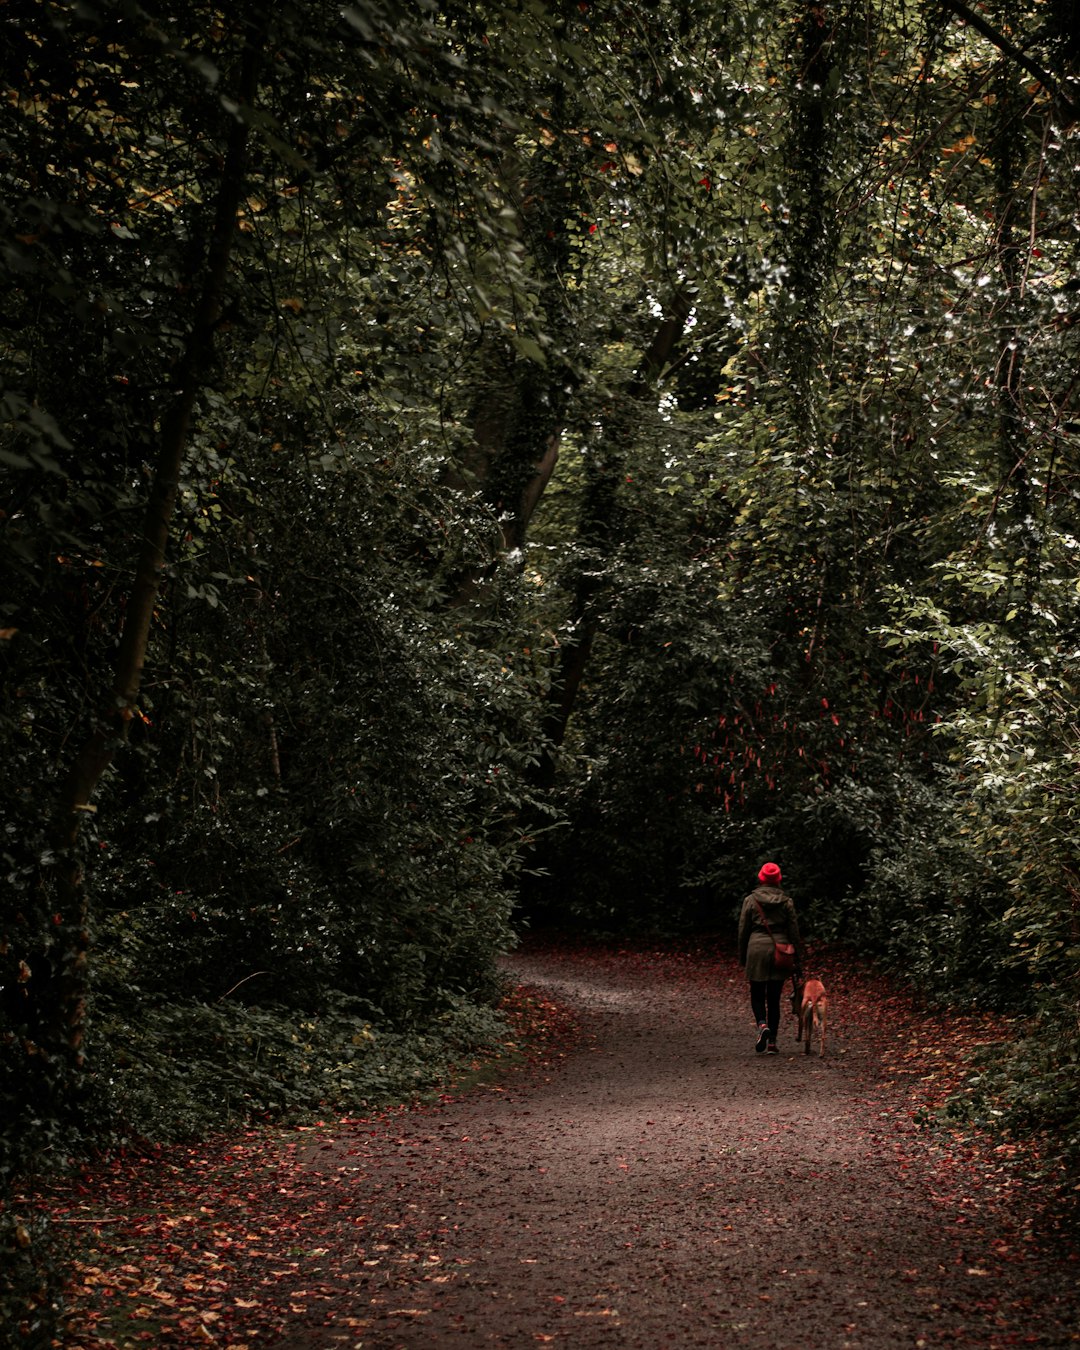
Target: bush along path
[(646, 1180)]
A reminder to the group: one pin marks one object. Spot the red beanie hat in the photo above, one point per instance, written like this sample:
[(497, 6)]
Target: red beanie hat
[(769, 875)]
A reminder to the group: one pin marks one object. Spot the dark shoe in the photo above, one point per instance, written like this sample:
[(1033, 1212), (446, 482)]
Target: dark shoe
[(771, 1047), (762, 1037)]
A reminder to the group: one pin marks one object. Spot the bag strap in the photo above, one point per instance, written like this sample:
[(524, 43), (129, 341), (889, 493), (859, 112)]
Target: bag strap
[(764, 920), (774, 944)]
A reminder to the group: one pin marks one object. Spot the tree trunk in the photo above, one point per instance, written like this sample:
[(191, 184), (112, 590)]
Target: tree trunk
[(597, 530), (61, 1019), (518, 408), (1010, 247), (812, 229)]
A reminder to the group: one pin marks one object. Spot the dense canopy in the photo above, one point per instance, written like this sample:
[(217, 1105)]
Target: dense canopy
[(471, 464)]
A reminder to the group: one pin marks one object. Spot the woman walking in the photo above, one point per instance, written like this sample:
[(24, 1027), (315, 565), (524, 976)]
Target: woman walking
[(768, 916)]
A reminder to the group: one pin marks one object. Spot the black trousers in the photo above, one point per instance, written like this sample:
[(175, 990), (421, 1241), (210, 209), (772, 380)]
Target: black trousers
[(765, 1001)]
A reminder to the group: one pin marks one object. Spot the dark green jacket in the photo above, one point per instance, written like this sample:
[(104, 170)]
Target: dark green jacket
[(755, 944)]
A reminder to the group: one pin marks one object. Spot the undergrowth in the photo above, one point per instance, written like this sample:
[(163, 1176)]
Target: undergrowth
[(187, 1069), (1028, 1089)]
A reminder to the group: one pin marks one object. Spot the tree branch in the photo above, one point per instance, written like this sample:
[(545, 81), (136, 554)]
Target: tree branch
[(1014, 53)]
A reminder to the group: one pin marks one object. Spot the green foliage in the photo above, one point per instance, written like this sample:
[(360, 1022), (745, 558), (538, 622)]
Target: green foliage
[(526, 352), (31, 1279), (835, 593), (185, 1069), (1012, 816), (320, 788), (934, 909), (1029, 1088)]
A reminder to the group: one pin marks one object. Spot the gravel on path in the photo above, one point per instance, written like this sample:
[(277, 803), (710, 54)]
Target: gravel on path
[(666, 1186)]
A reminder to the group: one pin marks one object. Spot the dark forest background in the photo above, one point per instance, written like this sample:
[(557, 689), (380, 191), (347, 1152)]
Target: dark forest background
[(472, 467)]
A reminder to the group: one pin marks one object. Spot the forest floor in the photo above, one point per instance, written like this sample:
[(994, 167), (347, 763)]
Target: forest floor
[(645, 1180)]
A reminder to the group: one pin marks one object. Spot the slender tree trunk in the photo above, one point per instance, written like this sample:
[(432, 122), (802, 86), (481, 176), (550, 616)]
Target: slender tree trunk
[(598, 529), (518, 436), (811, 229), (519, 406), (517, 419), (262, 603), (1010, 248), (62, 1019)]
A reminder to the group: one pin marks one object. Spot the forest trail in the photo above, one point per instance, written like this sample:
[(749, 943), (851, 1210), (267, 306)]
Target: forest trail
[(660, 1185)]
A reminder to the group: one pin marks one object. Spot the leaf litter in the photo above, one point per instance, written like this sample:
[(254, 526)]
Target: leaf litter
[(637, 1177)]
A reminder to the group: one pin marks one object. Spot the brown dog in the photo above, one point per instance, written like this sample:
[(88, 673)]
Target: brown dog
[(812, 1004)]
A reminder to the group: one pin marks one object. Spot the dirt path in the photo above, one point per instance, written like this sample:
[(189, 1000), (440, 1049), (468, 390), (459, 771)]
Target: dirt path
[(662, 1186), (669, 1187)]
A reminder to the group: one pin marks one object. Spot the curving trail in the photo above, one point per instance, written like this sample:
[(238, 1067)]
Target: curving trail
[(669, 1187), (659, 1186)]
